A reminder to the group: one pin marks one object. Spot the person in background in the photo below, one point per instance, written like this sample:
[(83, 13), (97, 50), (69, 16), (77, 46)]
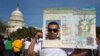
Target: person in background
[(1, 45), (27, 42), (97, 53), (17, 46), (8, 46)]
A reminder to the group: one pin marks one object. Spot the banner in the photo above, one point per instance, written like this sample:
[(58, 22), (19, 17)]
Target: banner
[(76, 28)]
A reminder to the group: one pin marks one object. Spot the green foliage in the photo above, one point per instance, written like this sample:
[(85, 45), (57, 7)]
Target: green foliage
[(3, 26), (25, 32)]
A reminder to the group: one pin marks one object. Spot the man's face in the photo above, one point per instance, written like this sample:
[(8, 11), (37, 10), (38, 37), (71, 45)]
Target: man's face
[(53, 31)]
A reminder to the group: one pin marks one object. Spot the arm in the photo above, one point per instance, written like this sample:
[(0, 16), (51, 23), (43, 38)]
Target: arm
[(32, 45), (79, 52), (31, 48), (82, 54)]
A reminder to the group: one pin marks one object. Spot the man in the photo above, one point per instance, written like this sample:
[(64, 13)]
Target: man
[(52, 35), (53, 30), (27, 42), (8, 46)]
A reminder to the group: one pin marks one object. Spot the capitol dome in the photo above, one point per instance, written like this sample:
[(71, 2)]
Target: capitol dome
[(16, 15), (16, 20), (17, 12)]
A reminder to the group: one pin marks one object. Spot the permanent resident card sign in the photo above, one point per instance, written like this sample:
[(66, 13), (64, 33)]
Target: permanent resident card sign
[(77, 28)]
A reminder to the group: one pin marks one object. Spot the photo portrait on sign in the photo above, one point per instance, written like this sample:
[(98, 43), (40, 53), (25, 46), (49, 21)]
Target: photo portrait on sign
[(52, 30)]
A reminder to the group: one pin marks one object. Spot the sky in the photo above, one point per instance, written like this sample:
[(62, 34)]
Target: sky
[(32, 10)]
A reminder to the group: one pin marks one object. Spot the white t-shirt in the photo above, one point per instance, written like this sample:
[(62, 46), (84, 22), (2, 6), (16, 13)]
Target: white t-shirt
[(52, 52), (48, 51), (27, 44)]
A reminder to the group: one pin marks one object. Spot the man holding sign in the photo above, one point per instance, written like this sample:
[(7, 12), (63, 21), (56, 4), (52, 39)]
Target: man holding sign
[(53, 29)]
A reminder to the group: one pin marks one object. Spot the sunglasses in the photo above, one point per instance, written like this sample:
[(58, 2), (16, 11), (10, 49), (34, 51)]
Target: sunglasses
[(54, 30)]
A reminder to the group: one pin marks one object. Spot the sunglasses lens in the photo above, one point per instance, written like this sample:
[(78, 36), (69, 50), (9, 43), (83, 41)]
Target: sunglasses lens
[(54, 30)]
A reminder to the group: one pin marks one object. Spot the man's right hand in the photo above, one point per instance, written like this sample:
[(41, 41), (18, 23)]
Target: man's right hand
[(38, 35)]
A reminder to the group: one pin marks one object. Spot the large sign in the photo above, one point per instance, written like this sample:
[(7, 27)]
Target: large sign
[(77, 28)]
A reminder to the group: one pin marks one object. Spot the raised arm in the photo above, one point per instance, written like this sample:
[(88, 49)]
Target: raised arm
[(31, 51)]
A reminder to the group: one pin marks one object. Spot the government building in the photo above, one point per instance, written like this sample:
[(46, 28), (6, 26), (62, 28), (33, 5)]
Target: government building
[(16, 20)]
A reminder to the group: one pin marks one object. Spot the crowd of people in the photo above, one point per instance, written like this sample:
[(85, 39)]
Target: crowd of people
[(14, 47), (33, 46)]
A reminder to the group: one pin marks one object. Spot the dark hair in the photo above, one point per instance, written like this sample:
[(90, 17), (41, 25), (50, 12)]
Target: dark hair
[(28, 39), (1, 36), (98, 36), (19, 37), (53, 23)]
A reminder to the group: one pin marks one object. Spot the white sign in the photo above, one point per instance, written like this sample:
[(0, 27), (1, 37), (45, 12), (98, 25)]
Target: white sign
[(76, 28)]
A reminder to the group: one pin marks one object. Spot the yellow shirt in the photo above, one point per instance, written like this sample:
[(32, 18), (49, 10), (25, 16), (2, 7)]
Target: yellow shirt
[(17, 44)]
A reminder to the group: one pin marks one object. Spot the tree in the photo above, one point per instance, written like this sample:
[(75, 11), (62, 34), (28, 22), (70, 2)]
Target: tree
[(25, 32), (3, 26)]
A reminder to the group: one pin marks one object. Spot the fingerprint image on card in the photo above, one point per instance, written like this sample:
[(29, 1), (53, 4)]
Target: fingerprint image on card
[(90, 41)]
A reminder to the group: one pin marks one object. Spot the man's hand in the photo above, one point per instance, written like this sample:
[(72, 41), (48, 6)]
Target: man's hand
[(38, 35)]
